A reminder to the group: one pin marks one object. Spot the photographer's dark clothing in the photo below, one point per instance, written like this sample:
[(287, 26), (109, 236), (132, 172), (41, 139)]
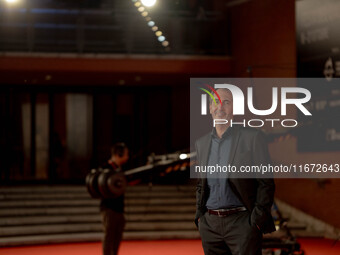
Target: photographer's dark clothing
[(113, 219), (114, 223), (115, 204)]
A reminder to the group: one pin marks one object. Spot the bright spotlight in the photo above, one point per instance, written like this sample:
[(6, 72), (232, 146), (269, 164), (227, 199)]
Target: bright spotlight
[(151, 23), (158, 33), (183, 156), (165, 43), (161, 38), (12, 1), (148, 3)]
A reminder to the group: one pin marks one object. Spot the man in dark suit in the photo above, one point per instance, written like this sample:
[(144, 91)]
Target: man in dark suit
[(232, 213)]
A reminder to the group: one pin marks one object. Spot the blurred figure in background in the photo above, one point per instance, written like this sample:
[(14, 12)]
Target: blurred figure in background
[(113, 208)]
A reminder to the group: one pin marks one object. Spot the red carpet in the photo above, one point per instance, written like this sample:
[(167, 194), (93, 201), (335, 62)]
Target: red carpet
[(164, 247), (317, 246)]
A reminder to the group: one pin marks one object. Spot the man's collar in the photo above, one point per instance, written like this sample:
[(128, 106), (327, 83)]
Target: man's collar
[(225, 134)]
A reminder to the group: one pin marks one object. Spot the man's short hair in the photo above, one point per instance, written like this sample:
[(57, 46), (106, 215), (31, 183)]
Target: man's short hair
[(118, 149)]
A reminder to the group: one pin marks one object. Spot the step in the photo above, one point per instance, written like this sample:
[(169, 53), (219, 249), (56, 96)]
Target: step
[(49, 229), (160, 217), (48, 203), (159, 194), (85, 195), (93, 227), (52, 214), (35, 220), (48, 211), (191, 208), (95, 209), (89, 218), (50, 239), (44, 196), (80, 188), (93, 202), (157, 235), (160, 226), (94, 237), (43, 188)]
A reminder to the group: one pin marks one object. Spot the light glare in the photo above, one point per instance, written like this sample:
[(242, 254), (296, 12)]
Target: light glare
[(148, 3), (161, 38), (151, 23), (183, 156)]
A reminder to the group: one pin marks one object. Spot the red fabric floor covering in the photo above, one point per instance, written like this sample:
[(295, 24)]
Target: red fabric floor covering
[(162, 247), (318, 246)]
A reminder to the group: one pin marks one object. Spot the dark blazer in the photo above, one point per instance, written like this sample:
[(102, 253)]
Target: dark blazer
[(249, 147)]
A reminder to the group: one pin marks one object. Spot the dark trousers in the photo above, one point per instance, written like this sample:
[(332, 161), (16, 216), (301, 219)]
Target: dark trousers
[(230, 235), (114, 223)]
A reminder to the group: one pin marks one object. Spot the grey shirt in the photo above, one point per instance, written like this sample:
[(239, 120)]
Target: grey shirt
[(221, 195)]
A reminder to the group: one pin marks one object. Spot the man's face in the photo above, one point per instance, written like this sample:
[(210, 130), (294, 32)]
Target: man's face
[(224, 111)]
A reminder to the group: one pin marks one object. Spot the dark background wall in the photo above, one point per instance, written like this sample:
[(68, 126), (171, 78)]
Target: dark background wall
[(61, 115)]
